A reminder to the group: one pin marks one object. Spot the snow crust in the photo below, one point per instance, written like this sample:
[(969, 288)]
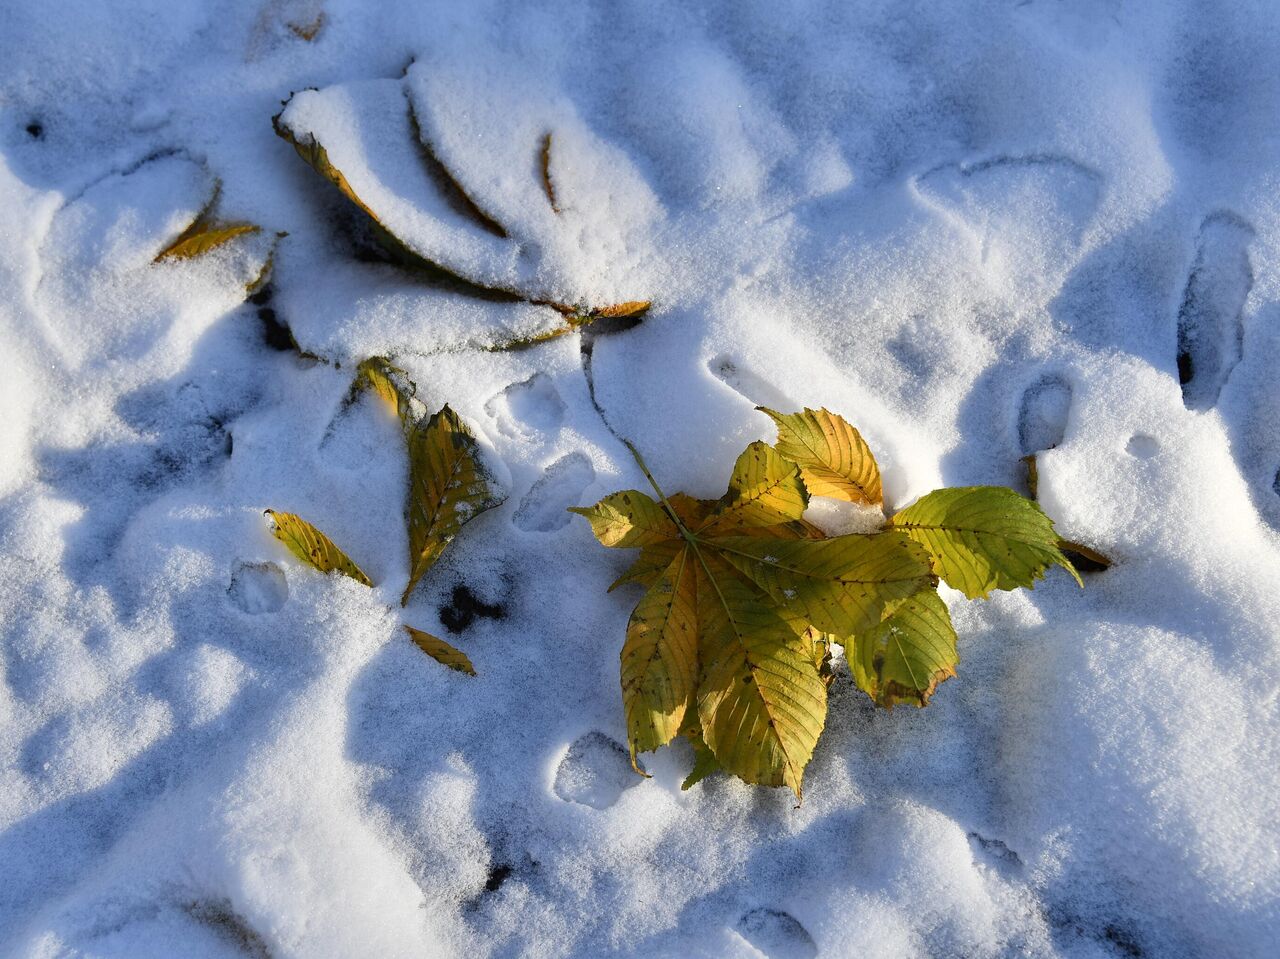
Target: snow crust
[(979, 229)]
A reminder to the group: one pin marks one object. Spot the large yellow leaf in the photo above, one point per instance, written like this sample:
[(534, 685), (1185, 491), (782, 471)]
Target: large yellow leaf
[(771, 593), (840, 585), (448, 487), (660, 657), (761, 700), (983, 538), (833, 457), (313, 547), (906, 655), (440, 651)]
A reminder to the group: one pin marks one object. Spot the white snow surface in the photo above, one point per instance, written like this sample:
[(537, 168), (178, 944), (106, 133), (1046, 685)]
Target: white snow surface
[(977, 229)]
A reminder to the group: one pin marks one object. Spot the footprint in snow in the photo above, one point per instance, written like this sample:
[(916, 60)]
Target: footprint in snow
[(1210, 320), (258, 588), (544, 508), (777, 934), (754, 388), (594, 772), (530, 406), (1042, 418), (1027, 213)]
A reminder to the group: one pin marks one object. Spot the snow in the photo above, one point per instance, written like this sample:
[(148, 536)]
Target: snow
[(979, 229)]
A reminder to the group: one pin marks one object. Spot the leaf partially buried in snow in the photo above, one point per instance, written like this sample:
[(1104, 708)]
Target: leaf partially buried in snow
[(416, 216), (313, 547), (440, 651), (833, 457), (391, 385), (204, 234), (983, 538), (548, 185)]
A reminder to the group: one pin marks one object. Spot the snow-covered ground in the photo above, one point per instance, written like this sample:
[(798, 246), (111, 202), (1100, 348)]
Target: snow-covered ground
[(977, 229)]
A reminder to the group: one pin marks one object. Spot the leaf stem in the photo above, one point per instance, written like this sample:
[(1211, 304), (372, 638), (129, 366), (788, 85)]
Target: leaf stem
[(662, 497)]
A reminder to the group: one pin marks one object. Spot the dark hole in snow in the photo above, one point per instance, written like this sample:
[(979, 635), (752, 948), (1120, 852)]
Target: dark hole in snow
[(262, 297), (996, 849), (1142, 446), (35, 130), (1125, 943), (497, 876), (219, 917), (1186, 368), (274, 333), (464, 606)]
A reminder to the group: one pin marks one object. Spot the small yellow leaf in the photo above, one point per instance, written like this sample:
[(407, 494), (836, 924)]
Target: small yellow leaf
[(764, 490), (200, 238), (313, 547), (833, 457), (628, 519), (448, 487), (619, 310), (440, 651), (547, 185)]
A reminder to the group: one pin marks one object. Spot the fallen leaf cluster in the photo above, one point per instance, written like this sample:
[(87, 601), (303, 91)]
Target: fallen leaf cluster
[(730, 644), (448, 487)]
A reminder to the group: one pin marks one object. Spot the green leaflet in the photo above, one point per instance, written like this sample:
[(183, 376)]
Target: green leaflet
[(764, 490), (839, 585), (982, 538), (627, 519), (906, 655)]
